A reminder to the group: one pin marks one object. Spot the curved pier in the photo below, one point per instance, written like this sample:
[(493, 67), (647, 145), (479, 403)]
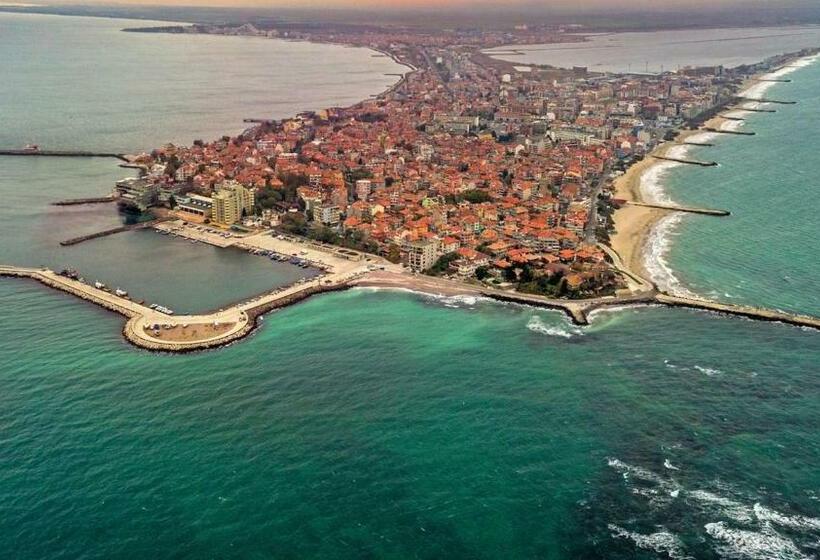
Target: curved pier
[(157, 331), (153, 330)]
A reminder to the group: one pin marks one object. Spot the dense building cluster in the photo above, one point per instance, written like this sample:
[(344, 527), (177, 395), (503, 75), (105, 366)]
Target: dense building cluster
[(469, 166)]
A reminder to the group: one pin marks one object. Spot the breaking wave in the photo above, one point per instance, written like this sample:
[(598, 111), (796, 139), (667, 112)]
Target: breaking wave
[(765, 544), (746, 530), (655, 252), (535, 324), (662, 542), (796, 522)]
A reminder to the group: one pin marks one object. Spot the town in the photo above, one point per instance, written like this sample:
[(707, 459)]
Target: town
[(469, 167)]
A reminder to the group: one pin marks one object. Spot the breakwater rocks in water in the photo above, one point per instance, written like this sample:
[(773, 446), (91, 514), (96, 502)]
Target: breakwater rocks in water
[(161, 332)]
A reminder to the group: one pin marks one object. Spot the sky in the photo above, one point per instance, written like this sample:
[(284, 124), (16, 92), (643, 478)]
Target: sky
[(631, 5)]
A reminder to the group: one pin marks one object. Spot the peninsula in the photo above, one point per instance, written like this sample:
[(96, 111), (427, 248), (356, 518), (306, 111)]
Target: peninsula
[(469, 175)]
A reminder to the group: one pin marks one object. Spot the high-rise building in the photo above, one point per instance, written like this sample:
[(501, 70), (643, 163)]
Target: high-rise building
[(230, 202)]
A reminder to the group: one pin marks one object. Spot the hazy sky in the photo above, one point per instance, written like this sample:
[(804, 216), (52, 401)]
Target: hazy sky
[(631, 5)]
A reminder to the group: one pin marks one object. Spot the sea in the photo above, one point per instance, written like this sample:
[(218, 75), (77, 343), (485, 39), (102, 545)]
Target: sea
[(657, 51), (383, 424)]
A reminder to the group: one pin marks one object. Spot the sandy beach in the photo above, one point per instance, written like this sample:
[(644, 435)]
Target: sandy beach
[(634, 224)]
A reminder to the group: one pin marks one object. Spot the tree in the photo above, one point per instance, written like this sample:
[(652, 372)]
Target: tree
[(294, 223), (476, 196), (442, 264), (482, 272), (394, 253)]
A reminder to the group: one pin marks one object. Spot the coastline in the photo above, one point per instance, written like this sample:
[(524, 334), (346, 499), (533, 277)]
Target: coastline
[(641, 233)]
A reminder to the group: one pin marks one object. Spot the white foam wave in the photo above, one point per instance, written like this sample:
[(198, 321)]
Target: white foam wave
[(711, 372), (758, 89), (662, 542), (652, 181), (662, 494), (732, 125), (448, 301), (667, 464), (702, 137), (765, 544), (655, 252), (797, 522), (535, 324), (724, 506)]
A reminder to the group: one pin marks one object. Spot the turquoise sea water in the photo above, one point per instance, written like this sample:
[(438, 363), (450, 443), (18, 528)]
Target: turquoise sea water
[(372, 424), (766, 252)]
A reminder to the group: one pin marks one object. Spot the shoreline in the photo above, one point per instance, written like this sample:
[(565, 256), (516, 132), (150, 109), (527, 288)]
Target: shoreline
[(637, 226), (147, 328)]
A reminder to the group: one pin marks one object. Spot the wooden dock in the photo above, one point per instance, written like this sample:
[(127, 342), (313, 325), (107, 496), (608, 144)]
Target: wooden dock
[(688, 161)]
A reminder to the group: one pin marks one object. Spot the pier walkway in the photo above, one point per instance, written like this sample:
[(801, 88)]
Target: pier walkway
[(79, 201), (752, 109), (112, 231), (154, 330), (151, 329)]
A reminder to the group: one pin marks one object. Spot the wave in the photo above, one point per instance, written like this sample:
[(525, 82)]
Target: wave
[(724, 506), (765, 544), (796, 522), (711, 372), (665, 489), (745, 532), (463, 300), (655, 252), (652, 181), (658, 243), (758, 89), (535, 324), (662, 542)]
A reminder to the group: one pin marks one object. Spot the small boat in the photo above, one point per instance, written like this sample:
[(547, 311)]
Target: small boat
[(121, 293), (99, 285)]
